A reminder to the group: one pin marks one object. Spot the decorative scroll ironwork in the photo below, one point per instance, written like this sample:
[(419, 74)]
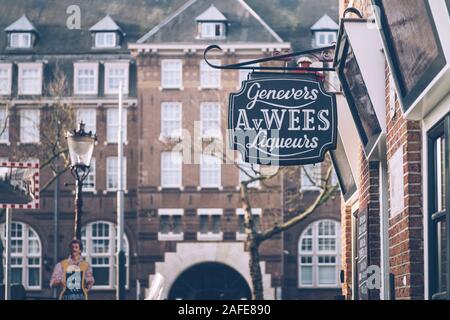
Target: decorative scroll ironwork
[(324, 54)]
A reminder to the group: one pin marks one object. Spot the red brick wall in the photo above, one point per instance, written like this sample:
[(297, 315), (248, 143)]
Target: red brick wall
[(346, 249), (406, 228), (369, 200)]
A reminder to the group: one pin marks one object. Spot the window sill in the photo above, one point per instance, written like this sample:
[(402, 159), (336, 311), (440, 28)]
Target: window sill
[(209, 88), (219, 188), (170, 188), (209, 139), (114, 142), (165, 139), (238, 188), (316, 189), (171, 88), (105, 192), (33, 289), (170, 236), (6, 143), (209, 236), (28, 143), (241, 236)]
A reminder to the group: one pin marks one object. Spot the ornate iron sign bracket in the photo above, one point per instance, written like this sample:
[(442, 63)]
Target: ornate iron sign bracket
[(324, 54)]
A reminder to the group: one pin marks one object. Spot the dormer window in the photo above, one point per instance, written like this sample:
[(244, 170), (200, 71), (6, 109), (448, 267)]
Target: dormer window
[(211, 24), (21, 34), (324, 32), (105, 40), (20, 40), (106, 34), (210, 30)]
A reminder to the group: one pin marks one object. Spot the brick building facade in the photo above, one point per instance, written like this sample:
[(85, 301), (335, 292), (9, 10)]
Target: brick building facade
[(180, 219), (396, 186)]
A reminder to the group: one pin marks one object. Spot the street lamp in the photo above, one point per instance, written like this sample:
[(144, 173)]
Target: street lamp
[(81, 146)]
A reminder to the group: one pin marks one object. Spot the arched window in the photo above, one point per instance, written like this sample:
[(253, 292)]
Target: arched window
[(319, 255), (99, 248), (26, 255)]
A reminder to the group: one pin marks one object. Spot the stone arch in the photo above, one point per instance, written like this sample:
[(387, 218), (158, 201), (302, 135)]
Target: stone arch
[(190, 254)]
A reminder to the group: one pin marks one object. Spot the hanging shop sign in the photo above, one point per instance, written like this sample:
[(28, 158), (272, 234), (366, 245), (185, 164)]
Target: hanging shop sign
[(19, 185), (282, 119)]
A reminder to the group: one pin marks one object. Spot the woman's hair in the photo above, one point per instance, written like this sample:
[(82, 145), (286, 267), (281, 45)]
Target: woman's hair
[(75, 241)]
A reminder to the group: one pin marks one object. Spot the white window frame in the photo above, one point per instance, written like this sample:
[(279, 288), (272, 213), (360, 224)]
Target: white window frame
[(315, 253), (25, 66), (326, 35), (25, 254), (208, 30), (104, 44), (210, 78), (34, 116), (93, 66), (171, 236), (210, 235), (89, 118), (177, 168), (247, 167), (176, 72), (204, 168), (204, 120), (112, 127), (6, 90), (240, 212), (91, 178), (168, 118), (113, 174), (307, 185), (125, 66), (20, 37), (4, 125), (88, 253)]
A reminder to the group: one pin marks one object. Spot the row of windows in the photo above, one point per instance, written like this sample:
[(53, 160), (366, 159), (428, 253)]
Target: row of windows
[(210, 78), (171, 224), (86, 78), (99, 242), (210, 171), (30, 120), (171, 120), (23, 40), (318, 251)]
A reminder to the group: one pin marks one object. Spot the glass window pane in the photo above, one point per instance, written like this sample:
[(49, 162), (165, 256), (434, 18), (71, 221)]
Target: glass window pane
[(177, 224), (204, 223), (33, 277), (216, 224), (164, 224), (306, 275), (241, 224), (101, 276), (442, 255), (440, 178), (16, 275), (327, 275)]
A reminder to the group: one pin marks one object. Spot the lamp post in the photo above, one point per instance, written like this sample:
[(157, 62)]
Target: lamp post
[(81, 146)]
